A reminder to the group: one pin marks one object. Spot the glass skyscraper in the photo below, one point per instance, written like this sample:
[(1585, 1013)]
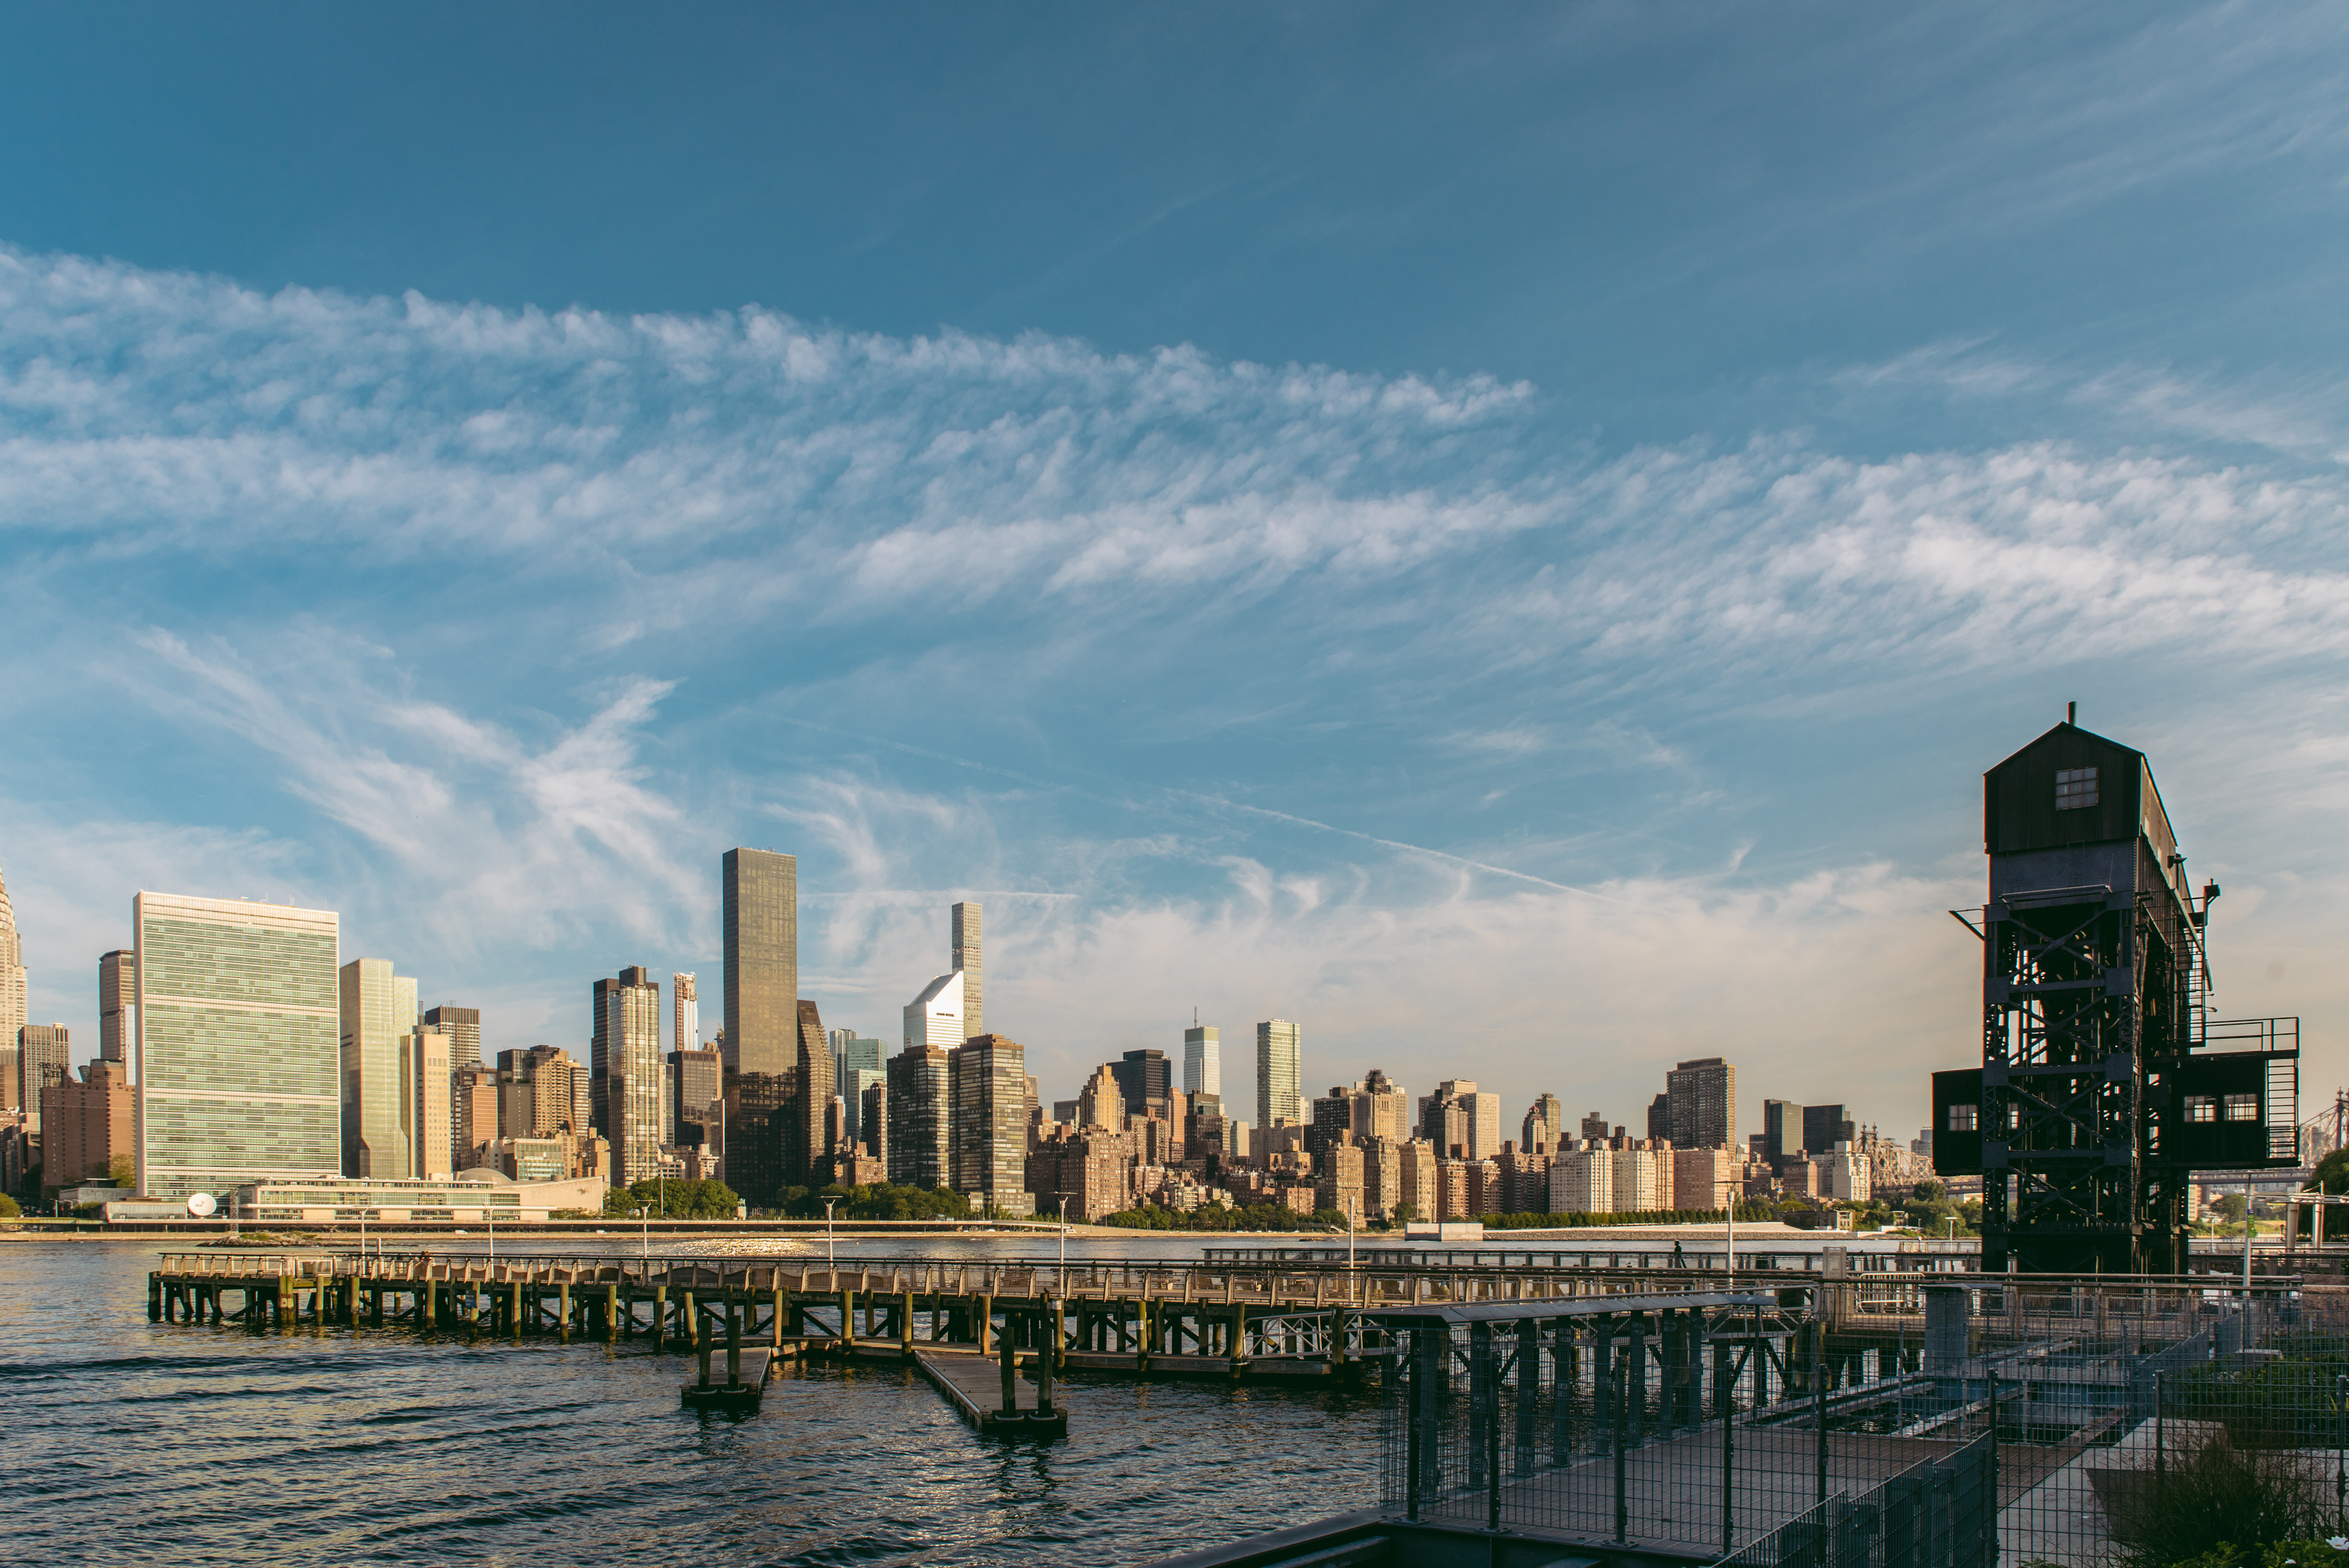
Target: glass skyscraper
[(378, 1011), (987, 1089), (761, 900), (1280, 1050), (238, 1044)]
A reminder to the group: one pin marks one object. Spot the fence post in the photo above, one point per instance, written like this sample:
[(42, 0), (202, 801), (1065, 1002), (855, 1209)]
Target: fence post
[(1528, 1390), (1411, 1381), (1433, 1347), (1622, 1402), (1989, 1505), (1819, 1401), (1480, 1402), (2340, 1449), (1562, 1388), (1724, 1393), (1492, 1442)]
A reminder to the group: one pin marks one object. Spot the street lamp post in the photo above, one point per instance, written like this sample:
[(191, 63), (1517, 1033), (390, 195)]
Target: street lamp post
[(1064, 1233), (644, 1213), (827, 1229)]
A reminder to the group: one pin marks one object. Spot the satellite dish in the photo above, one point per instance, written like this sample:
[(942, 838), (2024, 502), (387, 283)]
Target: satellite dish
[(202, 1206)]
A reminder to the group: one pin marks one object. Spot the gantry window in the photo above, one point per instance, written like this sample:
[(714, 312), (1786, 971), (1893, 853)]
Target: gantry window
[(2074, 787)]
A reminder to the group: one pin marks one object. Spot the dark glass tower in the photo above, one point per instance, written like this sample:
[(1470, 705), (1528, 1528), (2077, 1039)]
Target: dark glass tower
[(762, 960)]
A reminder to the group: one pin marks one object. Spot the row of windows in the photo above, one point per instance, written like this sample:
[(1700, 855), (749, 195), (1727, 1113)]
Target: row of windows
[(1966, 1118), (237, 963), (248, 1133), (226, 1051)]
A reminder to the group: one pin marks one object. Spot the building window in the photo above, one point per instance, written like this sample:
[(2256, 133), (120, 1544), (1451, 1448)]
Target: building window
[(2201, 1108), (2242, 1108), (2074, 787), (1962, 1117)]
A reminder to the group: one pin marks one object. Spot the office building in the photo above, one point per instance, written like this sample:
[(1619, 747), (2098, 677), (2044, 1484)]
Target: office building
[(699, 1077), (117, 990), (1702, 1095), (430, 1107), (1706, 1177), (808, 1139), (920, 1136), (873, 1119), (376, 1010), (1594, 1127), (12, 1093), (1659, 1118), (43, 1060), (1144, 1078), (684, 1013), (1280, 1073), (762, 914), (13, 1004), (86, 1124), (1823, 1127), (238, 1052), (963, 958), (1461, 1121), (1545, 1126), (1203, 1059), (626, 1059), (1782, 1131), (473, 1095), (1101, 1104), (987, 1089), (935, 1017), (1332, 1122), (462, 1025), (856, 1063)]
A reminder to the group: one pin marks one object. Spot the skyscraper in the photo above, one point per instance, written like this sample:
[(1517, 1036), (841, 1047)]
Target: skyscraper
[(920, 1136), (1782, 1131), (763, 959), (13, 1013), (44, 1061), (1704, 1098), (117, 988), (988, 1094), (238, 1049), (1203, 1059), (685, 1013), (857, 1068), (807, 1138), (1142, 1079), (462, 1025), (626, 1061), (1823, 1127), (376, 1012), (699, 1079), (432, 1107), (964, 960), (1545, 1126), (935, 1017), (1279, 1062)]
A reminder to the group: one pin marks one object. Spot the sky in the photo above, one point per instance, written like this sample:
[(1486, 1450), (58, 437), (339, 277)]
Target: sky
[(1506, 536)]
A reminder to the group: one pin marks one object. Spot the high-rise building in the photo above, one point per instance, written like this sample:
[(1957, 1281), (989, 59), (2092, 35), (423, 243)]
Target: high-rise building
[(87, 1125), (964, 960), (987, 1089), (920, 1134), (1462, 1122), (1659, 1117), (431, 1105), (626, 1059), (808, 1139), (1381, 1110), (1823, 1127), (1143, 1078), (1545, 1126), (44, 1061), (462, 1025), (377, 1011), (542, 1093), (473, 1113), (1203, 1060), (1782, 1131), (1594, 1127), (1101, 1104), (14, 1013), (873, 1120), (763, 959), (117, 988), (700, 1080), (857, 1066), (684, 1013), (935, 1017), (1582, 1181), (1702, 1095), (238, 1050), (1279, 1070)]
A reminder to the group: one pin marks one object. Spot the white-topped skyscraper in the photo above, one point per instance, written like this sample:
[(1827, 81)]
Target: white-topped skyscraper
[(685, 1013), (238, 1048), (964, 960), (935, 1017), (13, 1004), (1203, 1060), (1279, 1053)]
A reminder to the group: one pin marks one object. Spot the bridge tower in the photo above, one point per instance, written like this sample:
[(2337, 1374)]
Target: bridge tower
[(2099, 1091)]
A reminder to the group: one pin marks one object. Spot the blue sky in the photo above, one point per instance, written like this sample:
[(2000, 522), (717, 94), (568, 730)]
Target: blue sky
[(1506, 536)]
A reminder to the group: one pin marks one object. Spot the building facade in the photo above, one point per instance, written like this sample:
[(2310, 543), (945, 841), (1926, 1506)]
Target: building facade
[(762, 919), (1545, 1126), (118, 1001), (1582, 1179), (474, 1113), (684, 1013), (462, 1025), (1144, 1078), (13, 988), (44, 1056), (919, 1132), (625, 1060), (377, 1011), (987, 1087), (238, 1054), (935, 1017), (1203, 1060), (963, 940), (1703, 1097), (1280, 1073), (86, 1124), (431, 1105)]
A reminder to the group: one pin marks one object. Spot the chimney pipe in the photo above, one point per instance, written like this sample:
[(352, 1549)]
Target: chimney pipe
[(2071, 712)]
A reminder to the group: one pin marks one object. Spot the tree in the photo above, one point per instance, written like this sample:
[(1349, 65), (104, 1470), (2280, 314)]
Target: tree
[(8, 1210), (1929, 1193), (123, 1171), (2229, 1207)]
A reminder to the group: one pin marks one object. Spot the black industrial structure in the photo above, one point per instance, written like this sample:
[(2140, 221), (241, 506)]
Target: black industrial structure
[(2103, 1084)]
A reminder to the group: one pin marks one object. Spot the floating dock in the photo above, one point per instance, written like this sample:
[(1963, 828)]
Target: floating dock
[(1000, 1398)]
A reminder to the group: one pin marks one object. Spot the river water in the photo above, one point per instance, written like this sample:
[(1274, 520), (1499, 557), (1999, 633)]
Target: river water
[(122, 1440)]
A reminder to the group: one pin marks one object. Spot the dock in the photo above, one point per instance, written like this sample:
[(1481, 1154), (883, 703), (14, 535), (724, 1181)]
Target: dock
[(1004, 1396)]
